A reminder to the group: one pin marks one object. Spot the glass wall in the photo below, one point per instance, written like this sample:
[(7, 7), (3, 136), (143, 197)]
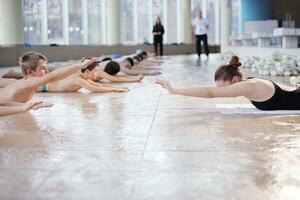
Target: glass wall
[(32, 10), (158, 10), (127, 25), (171, 26), (55, 21), (138, 18), (144, 25), (95, 20), (75, 22), (235, 20), (84, 21), (211, 19), (196, 7)]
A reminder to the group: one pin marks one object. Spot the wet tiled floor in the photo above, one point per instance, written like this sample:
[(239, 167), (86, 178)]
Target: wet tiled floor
[(148, 144)]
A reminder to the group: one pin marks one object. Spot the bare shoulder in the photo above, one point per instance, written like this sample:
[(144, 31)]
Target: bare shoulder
[(258, 82), (243, 88), (246, 84), (22, 83), (17, 86), (77, 78)]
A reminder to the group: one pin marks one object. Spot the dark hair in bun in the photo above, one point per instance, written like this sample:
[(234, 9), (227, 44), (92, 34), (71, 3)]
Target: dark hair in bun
[(227, 72), (90, 67), (235, 61)]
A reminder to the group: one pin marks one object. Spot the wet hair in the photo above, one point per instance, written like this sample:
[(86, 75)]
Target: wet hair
[(144, 53), (86, 58), (130, 61), (112, 68), (141, 57), (227, 72), (30, 60), (90, 67), (137, 58), (106, 59)]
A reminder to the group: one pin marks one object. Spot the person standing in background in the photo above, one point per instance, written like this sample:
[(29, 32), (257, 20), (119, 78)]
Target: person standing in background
[(158, 32), (200, 26)]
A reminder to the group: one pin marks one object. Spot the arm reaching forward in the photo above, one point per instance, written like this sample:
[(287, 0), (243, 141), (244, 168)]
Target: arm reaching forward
[(238, 89), (56, 75), (15, 107), (98, 88), (121, 79)]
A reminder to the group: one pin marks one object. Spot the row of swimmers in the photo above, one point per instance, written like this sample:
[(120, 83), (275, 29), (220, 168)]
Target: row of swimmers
[(230, 82), (17, 89)]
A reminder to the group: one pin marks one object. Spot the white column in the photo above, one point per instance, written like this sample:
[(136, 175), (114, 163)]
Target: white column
[(113, 22), (85, 22), (103, 21), (11, 22), (204, 10), (225, 22), (165, 19), (135, 21), (44, 22), (217, 21), (151, 22), (185, 25), (66, 22)]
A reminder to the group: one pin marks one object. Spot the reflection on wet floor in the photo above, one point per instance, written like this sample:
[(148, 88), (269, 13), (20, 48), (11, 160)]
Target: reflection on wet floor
[(148, 144)]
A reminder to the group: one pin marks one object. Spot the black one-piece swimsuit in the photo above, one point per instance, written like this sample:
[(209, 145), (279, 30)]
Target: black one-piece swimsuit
[(281, 100)]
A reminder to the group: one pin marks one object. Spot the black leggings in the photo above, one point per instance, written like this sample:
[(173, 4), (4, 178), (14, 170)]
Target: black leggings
[(200, 38), (161, 47)]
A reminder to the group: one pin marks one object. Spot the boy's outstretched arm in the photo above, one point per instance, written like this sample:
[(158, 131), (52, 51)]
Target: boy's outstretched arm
[(121, 79), (14, 107), (56, 75)]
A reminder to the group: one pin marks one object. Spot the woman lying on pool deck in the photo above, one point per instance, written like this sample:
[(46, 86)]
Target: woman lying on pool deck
[(263, 94)]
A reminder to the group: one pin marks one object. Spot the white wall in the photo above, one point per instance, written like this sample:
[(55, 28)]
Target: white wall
[(11, 22)]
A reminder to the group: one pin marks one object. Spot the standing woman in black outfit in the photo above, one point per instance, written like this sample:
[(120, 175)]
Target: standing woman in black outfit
[(158, 32)]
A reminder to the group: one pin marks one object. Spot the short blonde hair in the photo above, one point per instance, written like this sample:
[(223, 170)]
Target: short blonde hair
[(30, 60)]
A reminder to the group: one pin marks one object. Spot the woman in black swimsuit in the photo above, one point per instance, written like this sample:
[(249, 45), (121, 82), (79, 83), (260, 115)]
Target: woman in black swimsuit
[(263, 94)]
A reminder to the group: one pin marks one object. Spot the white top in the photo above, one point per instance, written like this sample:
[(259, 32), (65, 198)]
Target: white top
[(103, 64), (200, 26)]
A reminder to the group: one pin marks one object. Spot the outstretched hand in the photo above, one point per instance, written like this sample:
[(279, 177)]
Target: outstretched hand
[(43, 105), (31, 105), (36, 105), (122, 90), (165, 84)]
